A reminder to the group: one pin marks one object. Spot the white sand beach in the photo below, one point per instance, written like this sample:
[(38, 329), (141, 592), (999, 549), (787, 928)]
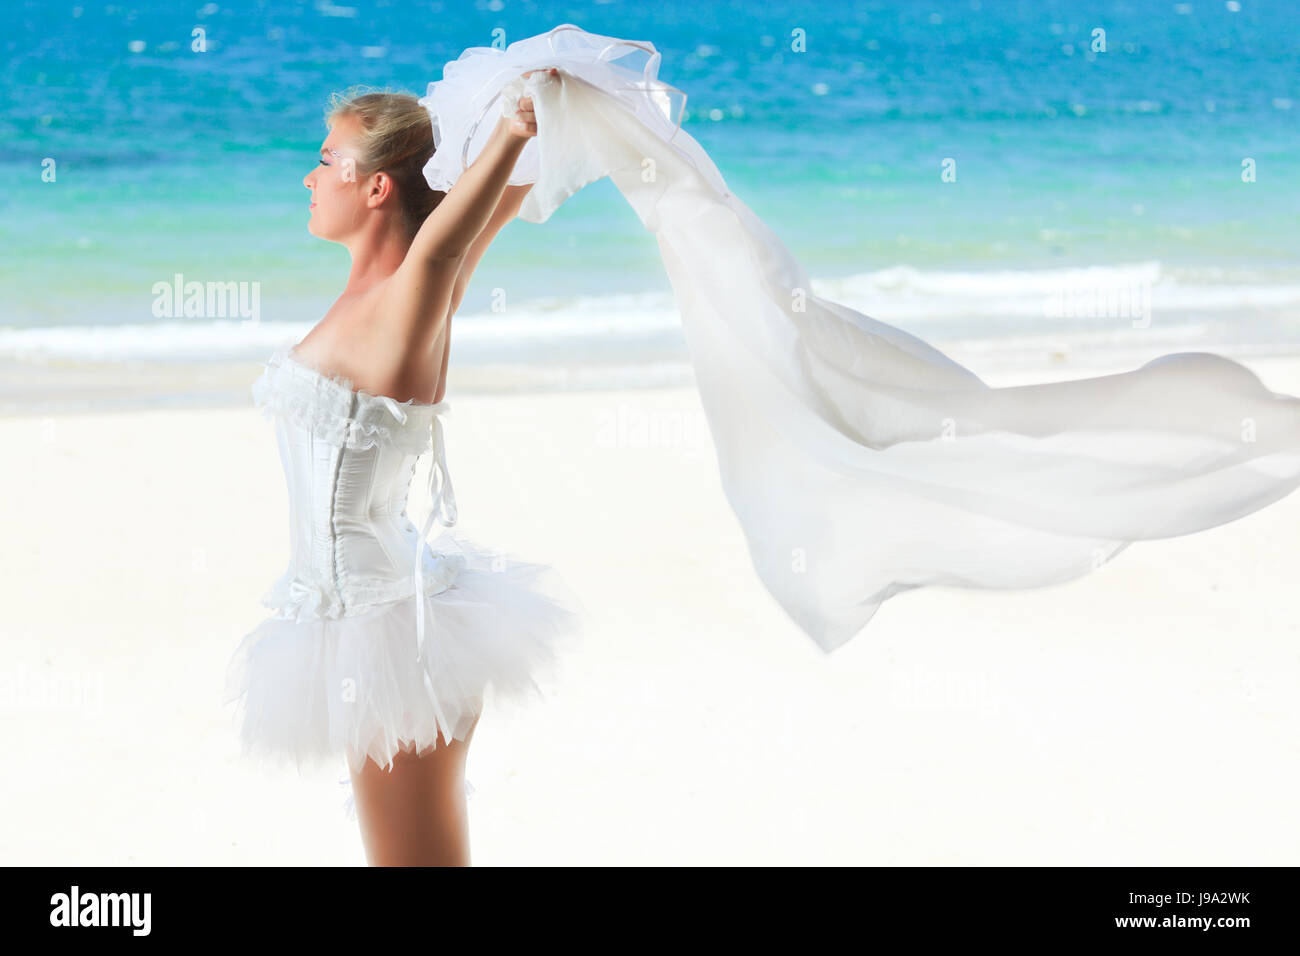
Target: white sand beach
[(1145, 715)]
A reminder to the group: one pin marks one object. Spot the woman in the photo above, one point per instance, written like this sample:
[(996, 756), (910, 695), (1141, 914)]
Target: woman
[(351, 664)]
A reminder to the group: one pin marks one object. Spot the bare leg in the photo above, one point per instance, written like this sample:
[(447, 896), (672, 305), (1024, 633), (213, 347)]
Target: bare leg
[(415, 813)]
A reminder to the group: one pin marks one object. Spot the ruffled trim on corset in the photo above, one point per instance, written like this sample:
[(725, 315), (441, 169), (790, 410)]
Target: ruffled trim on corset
[(333, 410), (309, 692)]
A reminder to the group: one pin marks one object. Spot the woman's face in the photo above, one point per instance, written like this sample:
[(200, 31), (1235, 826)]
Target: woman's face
[(338, 203)]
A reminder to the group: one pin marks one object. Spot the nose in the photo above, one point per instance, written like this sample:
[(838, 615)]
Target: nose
[(306, 180)]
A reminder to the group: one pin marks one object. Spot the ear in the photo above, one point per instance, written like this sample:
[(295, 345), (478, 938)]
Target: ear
[(381, 187)]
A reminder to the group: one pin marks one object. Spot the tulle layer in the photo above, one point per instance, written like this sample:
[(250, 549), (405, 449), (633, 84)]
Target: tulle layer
[(310, 691)]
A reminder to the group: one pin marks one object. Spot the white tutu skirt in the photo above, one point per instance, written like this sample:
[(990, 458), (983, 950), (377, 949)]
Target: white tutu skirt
[(310, 691)]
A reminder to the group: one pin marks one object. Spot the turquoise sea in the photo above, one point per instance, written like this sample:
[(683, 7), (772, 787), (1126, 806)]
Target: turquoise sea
[(1099, 148)]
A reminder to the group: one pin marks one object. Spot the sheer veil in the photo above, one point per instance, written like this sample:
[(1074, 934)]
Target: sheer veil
[(859, 460)]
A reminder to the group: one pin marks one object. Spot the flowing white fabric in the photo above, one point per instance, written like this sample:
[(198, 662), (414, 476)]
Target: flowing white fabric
[(860, 460)]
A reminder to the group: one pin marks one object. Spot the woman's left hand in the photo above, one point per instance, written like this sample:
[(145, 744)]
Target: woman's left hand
[(524, 122)]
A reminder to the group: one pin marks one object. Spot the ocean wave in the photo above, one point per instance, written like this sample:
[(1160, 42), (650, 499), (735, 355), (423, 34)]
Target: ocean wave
[(1000, 307)]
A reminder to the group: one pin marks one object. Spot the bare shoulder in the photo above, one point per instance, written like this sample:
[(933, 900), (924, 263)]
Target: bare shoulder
[(362, 340)]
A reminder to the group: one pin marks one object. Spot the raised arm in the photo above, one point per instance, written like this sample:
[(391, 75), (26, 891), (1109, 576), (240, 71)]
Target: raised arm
[(460, 218), (431, 278), (506, 210), (449, 230)]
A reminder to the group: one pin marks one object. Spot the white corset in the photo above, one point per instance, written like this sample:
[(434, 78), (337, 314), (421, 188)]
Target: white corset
[(349, 457)]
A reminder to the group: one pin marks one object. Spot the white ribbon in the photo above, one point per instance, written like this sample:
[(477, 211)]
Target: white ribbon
[(443, 511)]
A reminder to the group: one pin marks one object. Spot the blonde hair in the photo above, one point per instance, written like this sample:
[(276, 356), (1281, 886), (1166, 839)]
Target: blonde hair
[(397, 138)]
